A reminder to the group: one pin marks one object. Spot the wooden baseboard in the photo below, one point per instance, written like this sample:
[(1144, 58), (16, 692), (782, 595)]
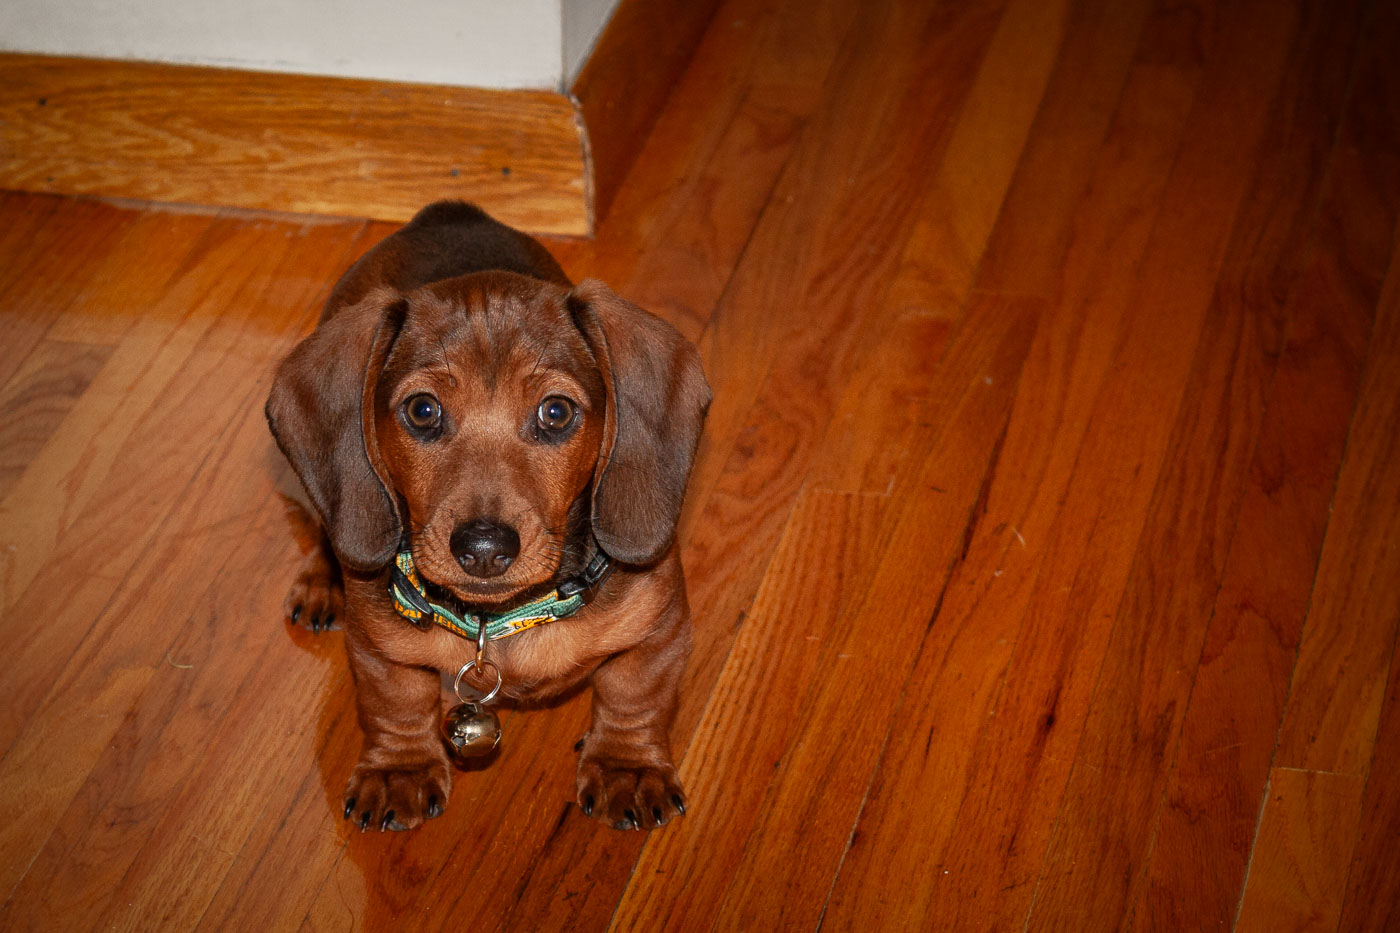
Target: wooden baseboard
[(289, 142), (379, 149)]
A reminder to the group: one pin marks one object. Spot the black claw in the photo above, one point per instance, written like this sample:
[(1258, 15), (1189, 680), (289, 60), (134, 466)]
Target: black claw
[(364, 821), (680, 804), (349, 807), (630, 818), (578, 746), (296, 614), (434, 808), (327, 623), (316, 624), (384, 823), (656, 815), (588, 805)]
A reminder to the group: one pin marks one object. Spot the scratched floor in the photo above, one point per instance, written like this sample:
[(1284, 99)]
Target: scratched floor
[(1044, 546)]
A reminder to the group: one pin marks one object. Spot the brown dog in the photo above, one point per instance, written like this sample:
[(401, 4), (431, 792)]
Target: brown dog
[(461, 401)]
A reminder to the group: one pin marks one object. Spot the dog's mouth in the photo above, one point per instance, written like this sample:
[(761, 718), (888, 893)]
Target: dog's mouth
[(474, 598), (490, 597)]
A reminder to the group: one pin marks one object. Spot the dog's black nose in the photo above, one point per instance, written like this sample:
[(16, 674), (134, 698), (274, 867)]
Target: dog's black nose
[(484, 549)]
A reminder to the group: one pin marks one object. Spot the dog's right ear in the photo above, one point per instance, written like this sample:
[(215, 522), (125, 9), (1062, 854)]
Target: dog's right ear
[(321, 412)]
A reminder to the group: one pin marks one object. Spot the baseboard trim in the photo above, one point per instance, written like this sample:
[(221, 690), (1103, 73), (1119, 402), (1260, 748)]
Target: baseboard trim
[(289, 142), (539, 160)]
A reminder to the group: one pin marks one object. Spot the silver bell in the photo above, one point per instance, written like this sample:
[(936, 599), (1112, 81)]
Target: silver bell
[(471, 730)]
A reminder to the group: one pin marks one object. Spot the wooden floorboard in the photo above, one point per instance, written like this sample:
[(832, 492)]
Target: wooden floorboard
[(964, 656), (1328, 739), (1041, 547), (1228, 737), (1130, 734), (1372, 900)]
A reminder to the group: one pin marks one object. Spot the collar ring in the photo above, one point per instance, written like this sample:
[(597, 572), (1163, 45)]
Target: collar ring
[(480, 667)]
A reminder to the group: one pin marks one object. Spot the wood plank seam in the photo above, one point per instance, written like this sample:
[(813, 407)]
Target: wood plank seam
[(1258, 824)]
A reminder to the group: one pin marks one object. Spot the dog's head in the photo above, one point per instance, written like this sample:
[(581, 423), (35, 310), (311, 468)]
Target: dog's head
[(491, 417)]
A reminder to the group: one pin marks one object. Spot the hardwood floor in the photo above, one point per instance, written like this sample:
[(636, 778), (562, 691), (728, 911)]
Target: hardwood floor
[(1044, 545)]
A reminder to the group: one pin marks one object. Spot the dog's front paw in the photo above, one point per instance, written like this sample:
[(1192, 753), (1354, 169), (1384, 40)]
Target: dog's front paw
[(316, 598), (386, 798), (629, 794)]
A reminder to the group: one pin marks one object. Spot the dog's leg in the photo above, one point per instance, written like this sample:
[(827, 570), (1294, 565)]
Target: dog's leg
[(403, 776), (625, 774), (317, 595)]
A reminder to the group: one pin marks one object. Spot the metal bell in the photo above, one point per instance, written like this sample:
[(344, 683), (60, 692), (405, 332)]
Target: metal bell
[(471, 730)]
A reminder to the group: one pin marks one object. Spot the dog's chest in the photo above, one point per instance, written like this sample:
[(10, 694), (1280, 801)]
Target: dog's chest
[(536, 663), (550, 658)]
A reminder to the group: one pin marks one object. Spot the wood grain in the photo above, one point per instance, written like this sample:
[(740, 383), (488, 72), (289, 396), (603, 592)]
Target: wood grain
[(1350, 634), (285, 142), (540, 160), (968, 187), (1211, 808), (827, 198), (1352, 619), (52, 266), (933, 751), (903, 597), (890, 395), (26, 214), (685, 216), (110, 645), (1373, 888), (34, 402), (1295, 886), (765, 709), (1054, 352), (642, 52), (1134, 718)]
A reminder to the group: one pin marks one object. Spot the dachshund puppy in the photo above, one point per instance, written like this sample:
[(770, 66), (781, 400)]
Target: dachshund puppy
[(479, 435)]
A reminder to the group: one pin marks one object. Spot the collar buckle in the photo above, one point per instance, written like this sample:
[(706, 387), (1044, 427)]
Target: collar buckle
[(588, 582)]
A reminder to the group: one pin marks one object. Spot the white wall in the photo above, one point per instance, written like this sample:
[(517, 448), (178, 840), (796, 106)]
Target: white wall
[(583, 21), (479, 43)]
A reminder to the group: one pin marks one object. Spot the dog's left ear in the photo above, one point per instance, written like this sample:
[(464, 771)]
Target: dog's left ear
[(656, 403)]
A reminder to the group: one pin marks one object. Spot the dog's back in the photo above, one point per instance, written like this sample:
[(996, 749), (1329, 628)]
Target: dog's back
[(442, 241)]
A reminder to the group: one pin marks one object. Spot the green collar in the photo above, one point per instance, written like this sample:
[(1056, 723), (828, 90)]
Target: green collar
[(411, 601)]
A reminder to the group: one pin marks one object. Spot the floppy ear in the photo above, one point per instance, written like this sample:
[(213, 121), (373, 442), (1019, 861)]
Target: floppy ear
[(321, 410), (656, 403)]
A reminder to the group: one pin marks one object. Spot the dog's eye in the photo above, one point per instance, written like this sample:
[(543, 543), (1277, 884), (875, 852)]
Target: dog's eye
[(555, 414), (422, 412)]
